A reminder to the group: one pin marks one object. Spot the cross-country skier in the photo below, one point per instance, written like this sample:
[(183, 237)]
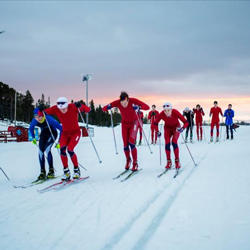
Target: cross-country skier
[(215, 111), (152, 116), (190, 118), (140, 114), (71, 133), (172, 130), (46, 140), (229, 114), (198, 120), (128, 108)]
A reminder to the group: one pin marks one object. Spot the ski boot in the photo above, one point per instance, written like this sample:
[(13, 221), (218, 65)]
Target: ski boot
[(66, 176), (42, 176), (128, 163), (232, 137), (135, 166), (77, 173), (51, 173), (177, 164), (191, 140), (217, 139), (139, 143), (227, 137), (169, 164), (211, 139)]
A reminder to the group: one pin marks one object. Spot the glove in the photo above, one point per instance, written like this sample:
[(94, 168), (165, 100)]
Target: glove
[(34, 141), (201, 109), (41, 107), (153, 113), (159, 134), (57, 145), (180, 129), (109, 106), (78, 104), (135, 107)]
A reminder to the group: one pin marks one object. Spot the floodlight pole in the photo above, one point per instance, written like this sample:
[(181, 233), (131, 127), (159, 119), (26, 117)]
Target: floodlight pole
[(15, 107), (86, 79)]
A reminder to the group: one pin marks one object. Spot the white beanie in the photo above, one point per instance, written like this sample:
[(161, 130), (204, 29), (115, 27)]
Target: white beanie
[(62, 102), (167, 105), (187, 109)]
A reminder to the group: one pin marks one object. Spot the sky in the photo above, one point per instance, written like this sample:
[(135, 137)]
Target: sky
[(183, 52)]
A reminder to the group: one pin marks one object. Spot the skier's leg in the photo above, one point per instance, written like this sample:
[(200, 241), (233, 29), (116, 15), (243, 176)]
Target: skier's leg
[(167, 148), (197, 130), (152, 133), (41, 157), (176, 135), (132, 134)]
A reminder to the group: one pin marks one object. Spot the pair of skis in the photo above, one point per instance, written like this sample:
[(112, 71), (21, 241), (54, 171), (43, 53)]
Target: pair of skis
[(128, 176), (62, 184), (36, 182), (166, 170)]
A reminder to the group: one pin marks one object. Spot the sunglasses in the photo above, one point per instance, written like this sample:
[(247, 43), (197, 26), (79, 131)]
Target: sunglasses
[(61, 103), (166, 106)]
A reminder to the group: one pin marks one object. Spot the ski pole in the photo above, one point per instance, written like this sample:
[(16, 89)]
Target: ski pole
[(90, 138), (188, 150), (55, 141), (112, 124), (160, 144), (5, 174), (221, 128), (144, 133)]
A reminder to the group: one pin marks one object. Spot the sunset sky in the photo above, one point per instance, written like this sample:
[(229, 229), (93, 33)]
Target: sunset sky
[(184, 52)]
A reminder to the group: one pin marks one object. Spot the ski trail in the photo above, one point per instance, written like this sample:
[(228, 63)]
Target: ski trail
[(136, 221)]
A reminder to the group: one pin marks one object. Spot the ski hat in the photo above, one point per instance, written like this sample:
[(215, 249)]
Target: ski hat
[(187, 109), (62, 102), (38, 112), (167, 105)]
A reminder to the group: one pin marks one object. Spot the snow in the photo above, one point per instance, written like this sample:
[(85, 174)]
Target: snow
[(205, 207)]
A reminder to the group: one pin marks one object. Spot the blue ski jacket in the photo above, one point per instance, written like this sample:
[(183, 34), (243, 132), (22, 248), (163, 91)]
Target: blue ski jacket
[(229, 114), (44, 126)]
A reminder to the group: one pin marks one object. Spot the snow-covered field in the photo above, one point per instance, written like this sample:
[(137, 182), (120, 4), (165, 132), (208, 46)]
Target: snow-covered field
[(205, 207)]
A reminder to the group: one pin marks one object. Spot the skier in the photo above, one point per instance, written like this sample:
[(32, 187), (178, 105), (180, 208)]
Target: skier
[(190, 118), (46, 140), (215, 111), (152, 116), (140, 114), (229, 114), (71, 133), (130, 122), (172, 130), (198, 120)]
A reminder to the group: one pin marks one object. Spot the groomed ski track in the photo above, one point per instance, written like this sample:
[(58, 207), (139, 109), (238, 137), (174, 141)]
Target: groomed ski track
[(144, 212)]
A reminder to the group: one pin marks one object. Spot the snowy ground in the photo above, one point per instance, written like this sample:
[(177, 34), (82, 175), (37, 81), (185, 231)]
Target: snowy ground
[(205, 207)]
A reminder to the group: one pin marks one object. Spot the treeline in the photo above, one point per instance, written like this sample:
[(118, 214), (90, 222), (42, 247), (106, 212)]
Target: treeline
[(25, 106)]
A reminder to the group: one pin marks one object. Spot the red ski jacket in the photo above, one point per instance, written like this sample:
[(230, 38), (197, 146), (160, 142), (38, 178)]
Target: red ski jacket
[(69, 120), (215, 112), (172, 122), (198, 115), (128, 114)]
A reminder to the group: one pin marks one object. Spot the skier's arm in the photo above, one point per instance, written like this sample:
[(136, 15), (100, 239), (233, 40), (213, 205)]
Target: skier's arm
[(50, 111), (149, 115), (84, 108), (182, 118), (221, 113), (232, 114), (158, 119), (112, 105), (225, 113), (210, 112), (32, 127), (202, 112), (143, 105)]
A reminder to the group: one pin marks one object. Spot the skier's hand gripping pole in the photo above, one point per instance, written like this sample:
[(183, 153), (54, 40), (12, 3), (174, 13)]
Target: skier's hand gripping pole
[(90, 138)]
